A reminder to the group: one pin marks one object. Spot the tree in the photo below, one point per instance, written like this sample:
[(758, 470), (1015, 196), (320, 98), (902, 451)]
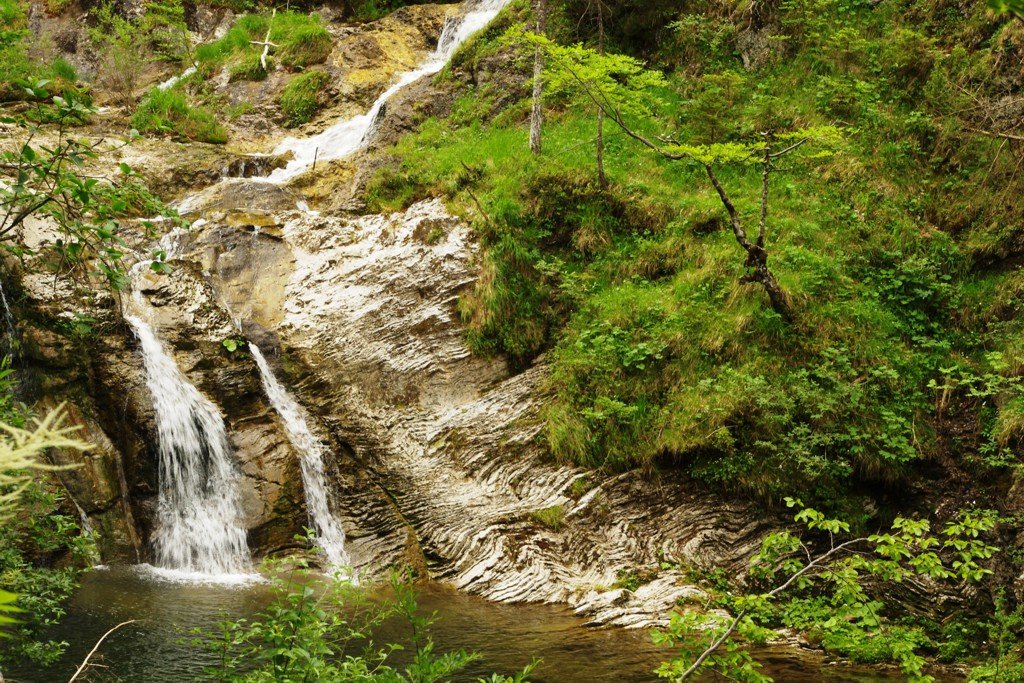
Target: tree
[(620, 87), (599, 141), (823, 585), (767, 154), (623, 80), (540, 11)]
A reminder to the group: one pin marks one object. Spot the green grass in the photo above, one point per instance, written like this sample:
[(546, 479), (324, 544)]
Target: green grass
[(551, 517), (301, 40), (169, 112), (248, 67), (658, 356), (303, 96)]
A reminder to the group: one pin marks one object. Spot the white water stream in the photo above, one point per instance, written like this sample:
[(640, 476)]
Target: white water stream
[(329, 534), (345, 137), (199, 531)]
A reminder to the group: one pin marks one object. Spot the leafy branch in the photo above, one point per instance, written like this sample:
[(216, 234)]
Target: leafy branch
[(828, 589)]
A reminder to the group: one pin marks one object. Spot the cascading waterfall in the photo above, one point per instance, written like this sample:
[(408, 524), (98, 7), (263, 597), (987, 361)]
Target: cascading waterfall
[(329, 534), (198, 525), (10, 331), (346, 137)]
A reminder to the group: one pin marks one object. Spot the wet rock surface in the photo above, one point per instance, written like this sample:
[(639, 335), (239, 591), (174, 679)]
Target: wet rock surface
[(441, 460)]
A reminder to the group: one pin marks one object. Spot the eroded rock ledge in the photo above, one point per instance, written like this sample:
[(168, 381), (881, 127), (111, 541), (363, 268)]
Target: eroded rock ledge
[(444, 460)]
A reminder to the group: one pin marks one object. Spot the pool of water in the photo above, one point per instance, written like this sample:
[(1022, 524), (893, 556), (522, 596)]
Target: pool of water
[(156, 648)]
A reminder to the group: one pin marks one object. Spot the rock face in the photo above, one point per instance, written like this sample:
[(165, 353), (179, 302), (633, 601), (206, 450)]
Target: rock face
[(439, 460), (102, 379)]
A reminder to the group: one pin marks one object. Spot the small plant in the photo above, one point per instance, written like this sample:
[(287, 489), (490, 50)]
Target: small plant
[(248, 68), (303, 96), (580, 486), (169, 112), (551, 517), (305, 45), (234, 343)]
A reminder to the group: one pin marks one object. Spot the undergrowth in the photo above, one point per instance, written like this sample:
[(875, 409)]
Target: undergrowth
[(658, 355)]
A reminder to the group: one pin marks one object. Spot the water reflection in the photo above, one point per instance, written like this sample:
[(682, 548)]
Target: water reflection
[(156, 648)]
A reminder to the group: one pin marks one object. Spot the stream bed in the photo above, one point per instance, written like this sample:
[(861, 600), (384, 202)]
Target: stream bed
[(156, 648)]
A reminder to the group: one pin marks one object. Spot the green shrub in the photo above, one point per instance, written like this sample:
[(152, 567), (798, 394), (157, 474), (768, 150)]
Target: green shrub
[(62, 68), (303, 96), (12, 20), (304, 45), (551, 517), (248, 68), (168, 111)]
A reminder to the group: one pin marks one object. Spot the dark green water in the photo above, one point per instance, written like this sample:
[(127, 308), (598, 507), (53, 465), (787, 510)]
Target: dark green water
[(155, 648)]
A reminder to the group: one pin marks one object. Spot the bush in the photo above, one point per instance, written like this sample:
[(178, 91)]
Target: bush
[(168, 111), (551, 517), (303, 96), (248, 68), (305, 46), (122, 49)]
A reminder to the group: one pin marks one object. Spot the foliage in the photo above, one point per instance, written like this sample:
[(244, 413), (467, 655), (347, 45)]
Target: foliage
[(169, 111), (19, 72), (303, 96), (551, 517), (1004, 644), (234, 343), (34, 531), (165, 23), (831, 590), (656, 357), (48, 181), (305, 635), (122, 46), (1015, 7), (300, 40)]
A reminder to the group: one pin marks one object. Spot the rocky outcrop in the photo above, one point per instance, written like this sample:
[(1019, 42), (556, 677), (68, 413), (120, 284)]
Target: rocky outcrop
[(98, 373), (441, 460)]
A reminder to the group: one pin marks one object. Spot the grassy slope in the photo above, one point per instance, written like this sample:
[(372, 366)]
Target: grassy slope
[(897, 252)]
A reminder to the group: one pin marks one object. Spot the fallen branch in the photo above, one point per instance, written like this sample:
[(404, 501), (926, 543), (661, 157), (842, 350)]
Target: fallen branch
[(995, 134), (266, 41), (85, 662)]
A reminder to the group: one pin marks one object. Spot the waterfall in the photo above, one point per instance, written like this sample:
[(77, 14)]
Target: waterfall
[(10, 330), (198, 525), (330, 536), (345, 137)]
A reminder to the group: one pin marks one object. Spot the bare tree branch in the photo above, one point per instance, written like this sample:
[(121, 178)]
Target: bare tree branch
[(85, 662)]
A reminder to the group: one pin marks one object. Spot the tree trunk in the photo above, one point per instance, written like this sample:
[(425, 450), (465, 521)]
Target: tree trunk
[(757, 257), (757, 260), (540, 10), (601, 178)]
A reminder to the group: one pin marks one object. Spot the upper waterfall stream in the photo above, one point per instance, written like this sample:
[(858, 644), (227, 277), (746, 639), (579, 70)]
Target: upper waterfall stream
[(329, 534), (347, 136)]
